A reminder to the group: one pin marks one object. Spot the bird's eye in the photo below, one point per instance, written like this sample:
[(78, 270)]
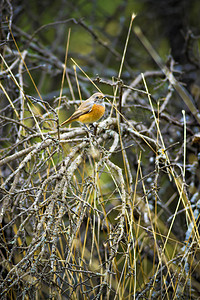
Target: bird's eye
[(97, 97)]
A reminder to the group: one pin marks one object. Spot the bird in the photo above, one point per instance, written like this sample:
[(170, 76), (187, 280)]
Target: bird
[(90, 111)]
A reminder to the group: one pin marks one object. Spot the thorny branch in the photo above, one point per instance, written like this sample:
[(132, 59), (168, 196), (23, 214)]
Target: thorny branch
[(76, 216)]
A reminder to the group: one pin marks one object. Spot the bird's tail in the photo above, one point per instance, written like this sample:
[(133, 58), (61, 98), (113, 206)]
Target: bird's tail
[(68, 121)]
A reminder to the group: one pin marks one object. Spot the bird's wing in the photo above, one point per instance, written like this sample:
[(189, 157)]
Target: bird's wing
[(84, 108)]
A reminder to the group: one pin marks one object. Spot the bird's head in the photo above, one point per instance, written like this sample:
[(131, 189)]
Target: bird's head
[(98, 98)]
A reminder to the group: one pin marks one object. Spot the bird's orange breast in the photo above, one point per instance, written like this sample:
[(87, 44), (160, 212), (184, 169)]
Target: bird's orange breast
[(94, 115)]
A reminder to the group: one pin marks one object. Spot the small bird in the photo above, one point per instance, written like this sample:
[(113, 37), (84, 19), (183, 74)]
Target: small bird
[(90, 111)]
